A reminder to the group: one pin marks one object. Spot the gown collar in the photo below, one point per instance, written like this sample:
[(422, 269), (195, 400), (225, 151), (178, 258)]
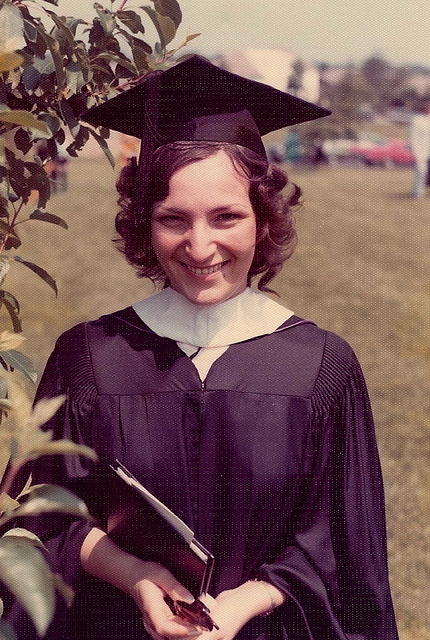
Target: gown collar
[(246, 316)]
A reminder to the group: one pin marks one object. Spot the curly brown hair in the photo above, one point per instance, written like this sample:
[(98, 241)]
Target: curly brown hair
[(276, 234)]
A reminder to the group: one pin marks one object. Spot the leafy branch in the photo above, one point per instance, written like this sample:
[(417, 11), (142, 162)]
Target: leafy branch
[(52, 68), (23, 568)]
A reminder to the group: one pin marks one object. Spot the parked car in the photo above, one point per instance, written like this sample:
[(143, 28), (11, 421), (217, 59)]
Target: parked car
[(383, 152)]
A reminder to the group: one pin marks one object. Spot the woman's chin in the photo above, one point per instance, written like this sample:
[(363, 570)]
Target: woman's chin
[(207, 295)]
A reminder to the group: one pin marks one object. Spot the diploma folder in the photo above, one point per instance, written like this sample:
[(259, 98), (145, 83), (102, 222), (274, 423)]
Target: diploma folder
[(142, 525)]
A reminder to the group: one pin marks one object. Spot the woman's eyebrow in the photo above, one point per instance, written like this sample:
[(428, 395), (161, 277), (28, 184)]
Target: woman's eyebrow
[(220, 209), (163, 209)]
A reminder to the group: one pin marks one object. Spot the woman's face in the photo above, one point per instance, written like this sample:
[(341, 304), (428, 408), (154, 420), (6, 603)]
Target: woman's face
[(204, 232)]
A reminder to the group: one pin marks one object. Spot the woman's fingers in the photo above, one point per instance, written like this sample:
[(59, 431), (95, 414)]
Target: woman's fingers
[(158, 618), (167, 582)]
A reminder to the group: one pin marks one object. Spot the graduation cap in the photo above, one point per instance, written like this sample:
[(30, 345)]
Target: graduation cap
[(196, 100)]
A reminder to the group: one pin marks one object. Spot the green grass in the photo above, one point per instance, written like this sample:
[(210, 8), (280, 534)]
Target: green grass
[(362, 269)]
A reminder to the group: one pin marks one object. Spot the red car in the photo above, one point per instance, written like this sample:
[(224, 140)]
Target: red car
[(384, 153)]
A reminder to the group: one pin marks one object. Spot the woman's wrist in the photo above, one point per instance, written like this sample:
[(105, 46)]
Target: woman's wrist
[(274, 597), (254, 598), (101, 557)]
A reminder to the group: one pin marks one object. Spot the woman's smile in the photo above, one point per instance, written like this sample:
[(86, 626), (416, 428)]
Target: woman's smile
[(204, 231), (205, 271)]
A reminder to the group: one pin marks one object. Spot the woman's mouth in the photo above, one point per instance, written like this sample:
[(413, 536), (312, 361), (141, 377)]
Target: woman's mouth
[(204, 271)]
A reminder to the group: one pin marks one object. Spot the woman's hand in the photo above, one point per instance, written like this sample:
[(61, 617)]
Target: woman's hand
[(147, 582), (233, 608), (152, 583)]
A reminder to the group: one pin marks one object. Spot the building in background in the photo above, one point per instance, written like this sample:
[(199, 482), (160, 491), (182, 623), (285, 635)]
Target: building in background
[(279, 68)]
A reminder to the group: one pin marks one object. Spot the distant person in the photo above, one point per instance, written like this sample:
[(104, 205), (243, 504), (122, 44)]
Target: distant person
[(293, 147), (275, 153), (318, 155), (420, 143)]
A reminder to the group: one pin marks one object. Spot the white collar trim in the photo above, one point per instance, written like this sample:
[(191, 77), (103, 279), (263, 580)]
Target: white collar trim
[(247, 315)]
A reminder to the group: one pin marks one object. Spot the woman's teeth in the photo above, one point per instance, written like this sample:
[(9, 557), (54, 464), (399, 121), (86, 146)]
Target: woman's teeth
[(205, 270)]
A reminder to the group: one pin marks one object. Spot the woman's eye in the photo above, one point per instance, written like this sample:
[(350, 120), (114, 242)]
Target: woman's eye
[(170, 220), (229, 217)]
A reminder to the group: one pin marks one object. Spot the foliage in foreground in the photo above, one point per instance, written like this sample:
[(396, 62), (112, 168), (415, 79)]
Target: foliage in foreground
[(52, 68), (23, 568)]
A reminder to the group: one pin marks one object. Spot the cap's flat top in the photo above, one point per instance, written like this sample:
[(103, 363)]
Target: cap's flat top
[(194, 88)]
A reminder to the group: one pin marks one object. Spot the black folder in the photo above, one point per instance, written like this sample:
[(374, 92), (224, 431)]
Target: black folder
[(142, 525)]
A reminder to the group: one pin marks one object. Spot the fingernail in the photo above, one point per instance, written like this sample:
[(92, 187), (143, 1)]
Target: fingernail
[(185, 596)]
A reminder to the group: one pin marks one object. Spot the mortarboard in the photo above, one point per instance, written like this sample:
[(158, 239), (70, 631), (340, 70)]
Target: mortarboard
[(196, 100)]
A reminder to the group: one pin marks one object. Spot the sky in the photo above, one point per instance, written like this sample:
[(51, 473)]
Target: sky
[(320, 30)]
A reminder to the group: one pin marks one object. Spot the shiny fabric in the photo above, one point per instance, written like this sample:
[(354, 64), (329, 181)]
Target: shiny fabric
[(272, 462)]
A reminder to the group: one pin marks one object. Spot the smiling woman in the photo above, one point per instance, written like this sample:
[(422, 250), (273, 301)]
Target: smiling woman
[(262, 184), (204, 232), (251, 424)]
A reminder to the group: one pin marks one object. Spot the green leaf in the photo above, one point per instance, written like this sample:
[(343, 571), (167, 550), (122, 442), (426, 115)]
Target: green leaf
[(18, 532), (15, 319), (54, 47), (39, 181), (64, 590), (136, 42), (11, 28), (140, 57), (60, 136), (23, 119), (70, 118), (53, 122), (9, 61), (186, 41), (118, 59), (74, 78), (73, 23), (5, 405), (38, 47), (4, 211), (22, 141), (132, 20), (63, 447), (30, 30), (37, 214), (79, 142), (7, 632), (48, 498), (26, 574), (13, 241), (40, 272), (169, 8), (165, 26), (104, 147), (106, 18), (21, 362), (82, 57), (9, 296), (45, 65), (31, 77), (7, 503), (62, 26)]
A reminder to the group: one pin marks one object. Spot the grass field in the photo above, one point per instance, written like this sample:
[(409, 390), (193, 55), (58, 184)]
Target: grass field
[(362, 269)]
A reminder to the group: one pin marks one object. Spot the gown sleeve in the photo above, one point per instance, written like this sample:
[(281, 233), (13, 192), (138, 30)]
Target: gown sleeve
[(334, 574)]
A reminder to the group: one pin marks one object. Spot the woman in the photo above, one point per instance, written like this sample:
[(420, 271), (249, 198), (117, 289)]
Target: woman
[(251, 424)]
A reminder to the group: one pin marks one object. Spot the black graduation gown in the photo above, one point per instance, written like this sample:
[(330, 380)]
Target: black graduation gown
[(272, 462)]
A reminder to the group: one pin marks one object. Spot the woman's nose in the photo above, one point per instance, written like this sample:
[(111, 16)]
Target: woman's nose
[(200, 243)]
